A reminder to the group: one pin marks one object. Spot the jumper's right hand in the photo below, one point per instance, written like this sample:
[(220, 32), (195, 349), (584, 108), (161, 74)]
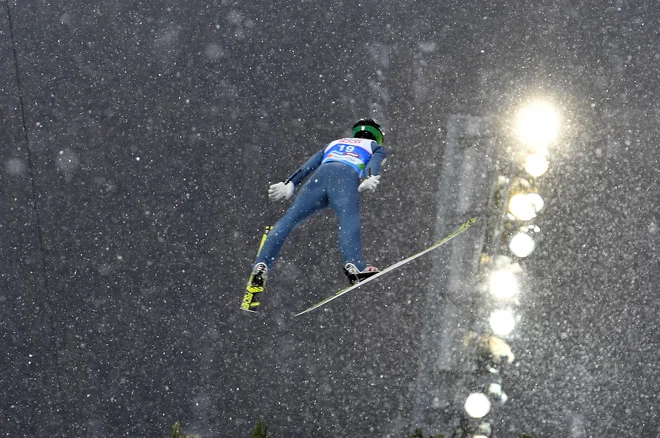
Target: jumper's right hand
[(281, 191), (369, 183)]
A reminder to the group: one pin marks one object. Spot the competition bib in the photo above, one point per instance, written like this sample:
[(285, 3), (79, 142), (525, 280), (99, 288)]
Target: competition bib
[(352, 151)]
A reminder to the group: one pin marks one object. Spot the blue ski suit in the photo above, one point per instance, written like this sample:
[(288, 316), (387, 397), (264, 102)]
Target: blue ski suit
[(337, 170)]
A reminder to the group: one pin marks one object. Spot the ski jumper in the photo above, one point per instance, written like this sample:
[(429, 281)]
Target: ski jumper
[(334, 183)]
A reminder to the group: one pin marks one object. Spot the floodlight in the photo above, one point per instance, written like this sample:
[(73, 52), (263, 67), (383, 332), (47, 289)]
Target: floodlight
[(503, 284), (537, 124), (522, 245), (502, 322), (477, 405), (500, 349), (536, 165), (524, 206)]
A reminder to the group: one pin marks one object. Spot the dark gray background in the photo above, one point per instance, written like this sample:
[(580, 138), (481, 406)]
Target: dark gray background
[(138, 140)]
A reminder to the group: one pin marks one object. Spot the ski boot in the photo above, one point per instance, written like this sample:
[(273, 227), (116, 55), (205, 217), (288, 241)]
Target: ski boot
[(356, 276), (255, 287), (259, 275)]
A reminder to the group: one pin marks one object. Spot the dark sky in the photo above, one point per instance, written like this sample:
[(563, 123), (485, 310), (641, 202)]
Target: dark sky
[(138, 140)]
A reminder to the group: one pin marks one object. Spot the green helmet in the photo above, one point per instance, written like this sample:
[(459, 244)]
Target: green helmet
[(368, 128)]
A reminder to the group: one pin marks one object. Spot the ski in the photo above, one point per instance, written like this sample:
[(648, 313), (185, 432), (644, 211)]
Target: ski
[(437, 244), (253, 293)]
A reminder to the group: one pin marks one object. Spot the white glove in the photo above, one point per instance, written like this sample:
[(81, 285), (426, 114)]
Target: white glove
[(280, 191), (369, 183)]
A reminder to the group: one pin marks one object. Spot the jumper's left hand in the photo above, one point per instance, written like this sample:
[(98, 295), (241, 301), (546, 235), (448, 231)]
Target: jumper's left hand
[(369, 183)]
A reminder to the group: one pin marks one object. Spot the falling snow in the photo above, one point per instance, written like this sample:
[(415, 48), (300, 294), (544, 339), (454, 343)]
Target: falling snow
[(139, 140)]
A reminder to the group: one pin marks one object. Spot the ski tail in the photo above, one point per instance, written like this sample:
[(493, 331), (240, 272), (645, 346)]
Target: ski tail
[(437, 244), (252, 296)]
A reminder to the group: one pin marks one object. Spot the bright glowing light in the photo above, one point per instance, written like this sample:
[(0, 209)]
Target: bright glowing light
[(500, 349), (537, 124), (522, 245), (525, 206), (503, 284), (502, 322), (495, 389), (479, 436), (536, 165), (536, 200), (477, 405)]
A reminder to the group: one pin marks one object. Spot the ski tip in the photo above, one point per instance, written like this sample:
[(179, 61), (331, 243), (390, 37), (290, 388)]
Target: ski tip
[(303, 312)]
